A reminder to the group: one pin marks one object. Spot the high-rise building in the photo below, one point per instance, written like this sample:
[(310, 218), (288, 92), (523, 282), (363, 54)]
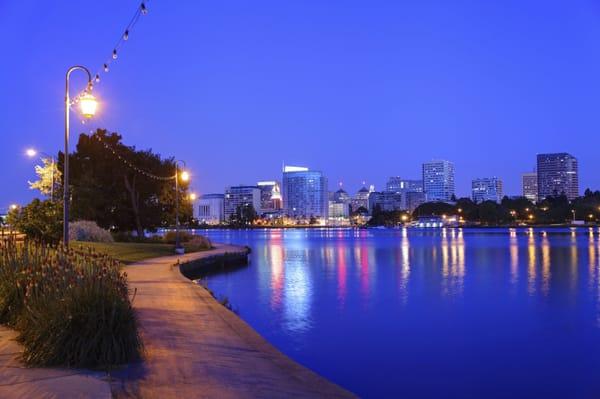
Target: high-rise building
[(395, 184), (414, 199), (270, 197), (209, 209), (529, 183), (386, 200), (398, 185), (487, 189), (557, 174), (240, 196), (305, 193), (361, 199), (438, 180)]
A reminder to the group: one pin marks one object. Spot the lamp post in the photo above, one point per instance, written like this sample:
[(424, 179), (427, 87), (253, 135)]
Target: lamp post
[(31, 152), (185, 176), (87, 104)]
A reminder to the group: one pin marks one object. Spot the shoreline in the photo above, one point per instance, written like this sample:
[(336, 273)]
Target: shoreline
[(196, 346)]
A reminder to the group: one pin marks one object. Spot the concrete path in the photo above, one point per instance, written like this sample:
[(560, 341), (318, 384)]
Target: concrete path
[(18, 381), (196, 348)]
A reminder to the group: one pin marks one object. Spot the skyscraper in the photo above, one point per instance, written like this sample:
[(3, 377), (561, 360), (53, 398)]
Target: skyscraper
[(270, 197), (238, 196), (305, 193), (438, 180), (409, 189), (529, 182), (486, 189), (557, 174)]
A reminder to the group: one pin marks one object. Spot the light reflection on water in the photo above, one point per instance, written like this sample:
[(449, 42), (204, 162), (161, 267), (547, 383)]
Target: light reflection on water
[(450, 312)]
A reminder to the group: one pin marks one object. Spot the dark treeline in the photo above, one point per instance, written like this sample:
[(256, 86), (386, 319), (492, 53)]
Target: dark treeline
[(552, 210)]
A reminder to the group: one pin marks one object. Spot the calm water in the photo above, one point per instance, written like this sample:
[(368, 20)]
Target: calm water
[(428, 314)]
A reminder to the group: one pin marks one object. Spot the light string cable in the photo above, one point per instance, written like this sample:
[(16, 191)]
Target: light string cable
[(142, 9), (128, 163)]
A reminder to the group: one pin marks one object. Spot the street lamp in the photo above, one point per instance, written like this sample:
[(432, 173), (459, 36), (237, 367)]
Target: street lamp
[(88, 106), (31, 152), (184, 176)]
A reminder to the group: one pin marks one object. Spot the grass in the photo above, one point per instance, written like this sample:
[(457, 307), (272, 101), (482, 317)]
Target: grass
[(128, 252)]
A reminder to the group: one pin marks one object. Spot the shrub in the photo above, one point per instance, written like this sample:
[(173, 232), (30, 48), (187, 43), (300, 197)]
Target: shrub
[(71, 308), (170, 236), (86, 230), (39, 220), (197, 243)]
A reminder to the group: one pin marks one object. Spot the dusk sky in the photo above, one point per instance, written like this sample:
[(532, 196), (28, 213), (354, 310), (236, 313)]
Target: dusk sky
[(361, 90)]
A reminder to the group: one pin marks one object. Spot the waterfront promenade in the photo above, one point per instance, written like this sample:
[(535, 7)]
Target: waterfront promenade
[(195, 347)]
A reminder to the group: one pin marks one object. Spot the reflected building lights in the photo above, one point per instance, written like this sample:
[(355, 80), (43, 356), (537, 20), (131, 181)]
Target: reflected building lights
[(531, 265), (514, 257), (545, 265)]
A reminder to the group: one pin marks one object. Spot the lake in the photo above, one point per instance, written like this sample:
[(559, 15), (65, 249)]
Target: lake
[(460, 313)]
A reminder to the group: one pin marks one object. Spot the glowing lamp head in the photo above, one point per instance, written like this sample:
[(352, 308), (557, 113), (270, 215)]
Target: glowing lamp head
[(193, 196), (13, 207), (88, 105), (31, 152), (185, 176)]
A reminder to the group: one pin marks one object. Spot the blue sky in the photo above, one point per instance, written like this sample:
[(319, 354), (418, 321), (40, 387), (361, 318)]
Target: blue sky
[(361, 90)]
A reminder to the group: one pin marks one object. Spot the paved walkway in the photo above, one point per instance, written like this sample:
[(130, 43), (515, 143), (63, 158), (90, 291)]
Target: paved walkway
[(17, 381), (195, 348)]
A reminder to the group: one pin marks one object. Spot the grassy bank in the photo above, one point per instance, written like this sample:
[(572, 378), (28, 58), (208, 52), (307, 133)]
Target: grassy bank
[(130, 252)]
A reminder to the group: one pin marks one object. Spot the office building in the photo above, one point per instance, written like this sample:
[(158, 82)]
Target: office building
[(386, 200), (209, 209), (270, 197), (413, 199), (487, 189), (438, 180), (405, 187), (304, 193), (557, 174), (360, 200), (529, 183), (240, 196)]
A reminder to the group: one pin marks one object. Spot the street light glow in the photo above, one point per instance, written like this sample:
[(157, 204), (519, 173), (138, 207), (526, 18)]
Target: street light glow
[(31, 152), (193, 196), (88, 105), (185, 176), (13, 207)]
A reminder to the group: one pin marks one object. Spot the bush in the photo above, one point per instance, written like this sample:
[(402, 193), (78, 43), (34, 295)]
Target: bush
[(71, 308), (86, 230), (197, 243), (170, 236), (39, 220)]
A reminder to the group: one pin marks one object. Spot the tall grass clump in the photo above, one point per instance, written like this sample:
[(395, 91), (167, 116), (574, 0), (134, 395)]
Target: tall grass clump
[(86, 230), (71, 307)]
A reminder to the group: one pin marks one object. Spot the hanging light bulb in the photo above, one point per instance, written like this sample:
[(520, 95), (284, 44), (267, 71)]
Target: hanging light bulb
[(114, 54), (144, 9), (97, 78), (126, 35), (105, 67)]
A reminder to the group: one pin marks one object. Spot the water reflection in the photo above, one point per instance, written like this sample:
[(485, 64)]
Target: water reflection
[(440, 291)]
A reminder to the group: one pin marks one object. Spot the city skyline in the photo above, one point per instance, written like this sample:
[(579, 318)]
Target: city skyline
[(360, 95)]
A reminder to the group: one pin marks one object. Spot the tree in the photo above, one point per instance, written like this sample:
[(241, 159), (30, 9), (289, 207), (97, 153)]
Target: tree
[(49, 178), (434, 209), (244, 215), (115, 185), (39, 220)]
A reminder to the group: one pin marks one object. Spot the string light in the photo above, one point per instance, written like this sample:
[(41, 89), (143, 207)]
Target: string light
[(142, 9), (128, 163)]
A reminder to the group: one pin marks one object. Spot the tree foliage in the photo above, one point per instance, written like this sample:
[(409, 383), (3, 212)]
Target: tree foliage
[(39, 220), (110, 192), (49, 178)]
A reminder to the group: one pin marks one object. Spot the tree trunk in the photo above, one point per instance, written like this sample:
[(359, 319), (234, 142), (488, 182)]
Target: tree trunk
[(134, 198)]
